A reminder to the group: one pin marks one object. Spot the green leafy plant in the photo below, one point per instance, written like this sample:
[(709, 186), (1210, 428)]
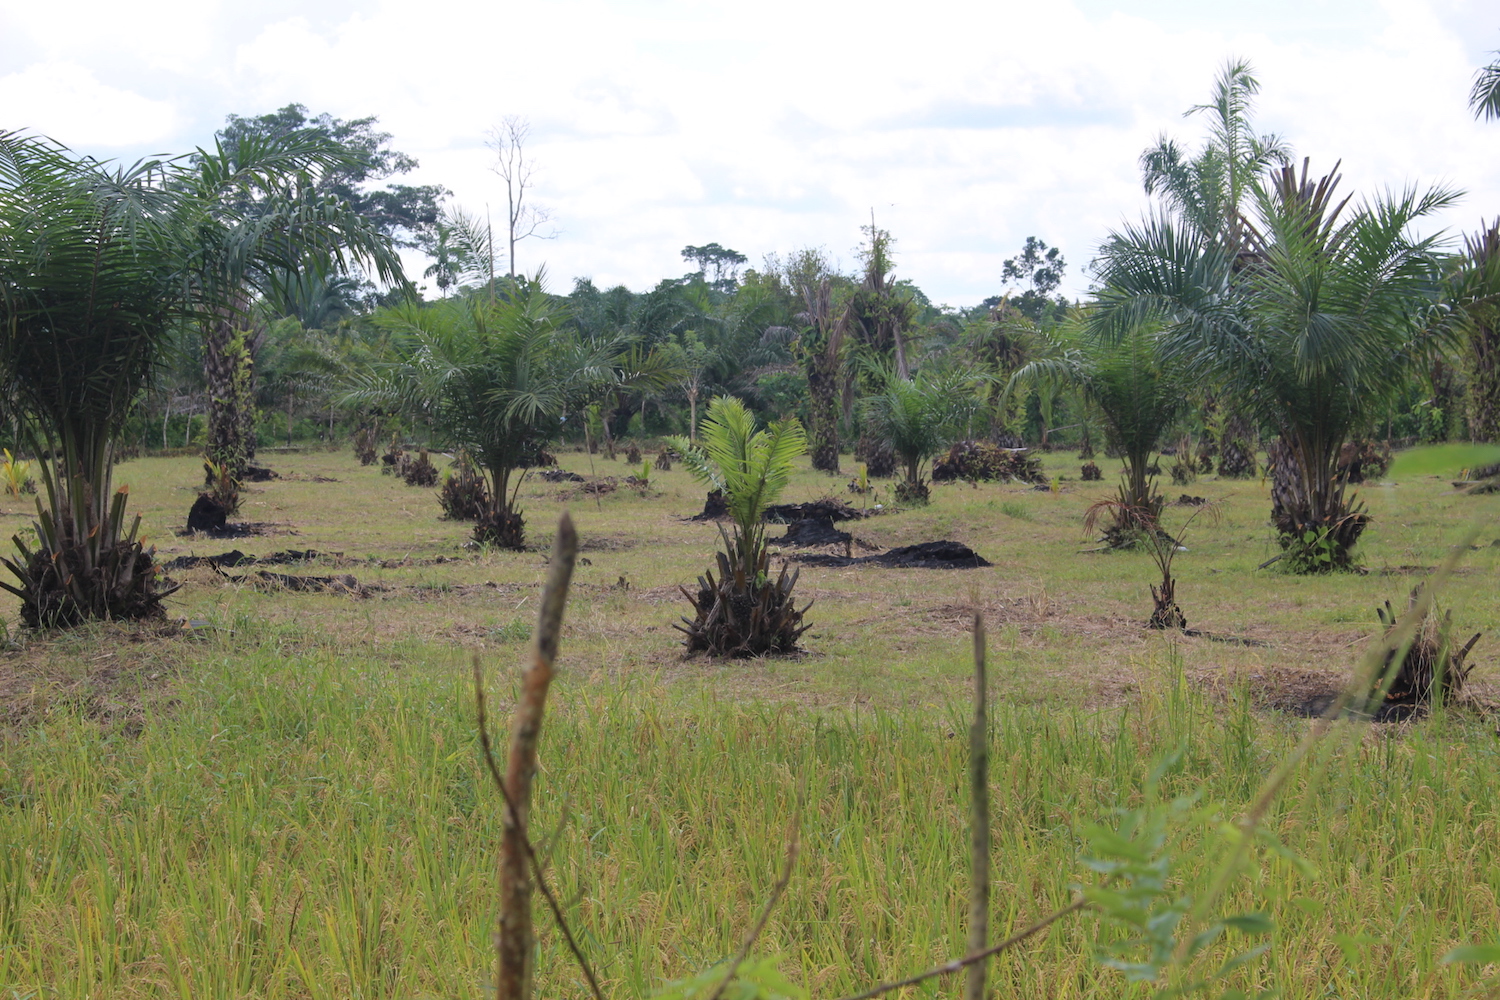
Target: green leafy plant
[(917, 418), (89, 295), (495, 378), (744, 612), (16, 475)]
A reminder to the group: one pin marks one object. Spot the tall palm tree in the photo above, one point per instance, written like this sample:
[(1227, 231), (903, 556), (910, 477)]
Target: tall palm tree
[(1208, 191), (494, 379), (1311, 327), (89, 294), (1207, 194), (244, 216)]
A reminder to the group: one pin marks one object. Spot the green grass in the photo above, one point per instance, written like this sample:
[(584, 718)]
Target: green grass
[(291, 804)]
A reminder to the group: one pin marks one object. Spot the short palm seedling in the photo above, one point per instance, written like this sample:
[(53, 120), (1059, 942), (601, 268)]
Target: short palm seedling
[(743, 611), (1165, 613)]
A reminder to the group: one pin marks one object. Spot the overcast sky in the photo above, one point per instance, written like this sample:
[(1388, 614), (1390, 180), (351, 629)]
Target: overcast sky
[(765, 127)]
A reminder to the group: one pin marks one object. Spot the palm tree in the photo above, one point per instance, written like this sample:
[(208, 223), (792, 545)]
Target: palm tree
[(744, 612), (918, 418), (1476, 291), (1310, 327), (1484, 99), (1206, 194), (244, 217), (88, 297), (494, 379), (1138, 391), (1208, 191)]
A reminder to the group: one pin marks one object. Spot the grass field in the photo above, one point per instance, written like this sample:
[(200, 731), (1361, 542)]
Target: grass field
[(289, 802)]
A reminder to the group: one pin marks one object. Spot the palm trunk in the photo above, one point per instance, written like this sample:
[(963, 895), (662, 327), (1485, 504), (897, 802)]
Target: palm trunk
[(823, 412), (1484, 382), (1316, 524), (229, 371)]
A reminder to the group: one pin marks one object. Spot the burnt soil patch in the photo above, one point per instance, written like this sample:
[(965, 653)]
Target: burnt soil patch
[(942, 554)]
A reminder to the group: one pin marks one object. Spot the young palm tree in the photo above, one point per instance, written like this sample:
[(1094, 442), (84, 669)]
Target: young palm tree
[(744, 612), (918, 418), (1137, 390), (1311, 327), (88, 297), (494, 379)]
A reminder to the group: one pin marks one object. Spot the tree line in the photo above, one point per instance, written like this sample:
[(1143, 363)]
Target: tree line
[(252, 292)]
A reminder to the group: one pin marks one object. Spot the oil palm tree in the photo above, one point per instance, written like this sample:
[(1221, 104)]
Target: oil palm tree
[(89, 294), (1310, 327), (919, 417), (744, 612), (494, 379), (1138, 392), (1476, 291), (244, 218)]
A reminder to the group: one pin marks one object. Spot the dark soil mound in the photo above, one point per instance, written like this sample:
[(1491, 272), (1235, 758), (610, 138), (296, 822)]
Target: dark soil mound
[(207, 514), (234, 557), (714, 507), (813, 531), (925, 555), (829, 508)]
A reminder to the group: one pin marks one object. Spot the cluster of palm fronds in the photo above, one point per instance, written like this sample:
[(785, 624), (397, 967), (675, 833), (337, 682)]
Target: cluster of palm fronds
[(72, 577), (1432, 667), (744, 611), (985, 461), (464, 496)]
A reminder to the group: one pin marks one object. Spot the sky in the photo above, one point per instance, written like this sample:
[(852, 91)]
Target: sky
[(963, 127)]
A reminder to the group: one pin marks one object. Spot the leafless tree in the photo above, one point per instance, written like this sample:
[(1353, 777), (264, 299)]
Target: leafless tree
[(515, 167)]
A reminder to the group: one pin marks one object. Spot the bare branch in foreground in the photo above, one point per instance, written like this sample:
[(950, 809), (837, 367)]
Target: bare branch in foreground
[(518, 861), (979, 956)]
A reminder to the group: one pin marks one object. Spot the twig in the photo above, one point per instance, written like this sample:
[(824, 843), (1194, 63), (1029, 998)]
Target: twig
[(979, 956), (536, 867), (518, 861), (979, 822), (792, 847), (1269, 561)]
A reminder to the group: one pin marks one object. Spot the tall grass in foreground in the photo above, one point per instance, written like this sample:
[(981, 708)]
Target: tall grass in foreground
[(320, 826)]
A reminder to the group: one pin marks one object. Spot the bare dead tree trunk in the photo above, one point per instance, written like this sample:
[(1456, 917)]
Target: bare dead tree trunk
[(515, 942)]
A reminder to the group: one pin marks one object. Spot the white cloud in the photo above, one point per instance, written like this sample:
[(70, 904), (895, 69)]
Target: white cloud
[(660, 123), (64, 101)]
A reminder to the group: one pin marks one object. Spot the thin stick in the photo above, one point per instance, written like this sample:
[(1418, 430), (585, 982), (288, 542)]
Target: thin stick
[(514, 944), (792, 847), (536, 867), (979, 822), (980, 956)]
